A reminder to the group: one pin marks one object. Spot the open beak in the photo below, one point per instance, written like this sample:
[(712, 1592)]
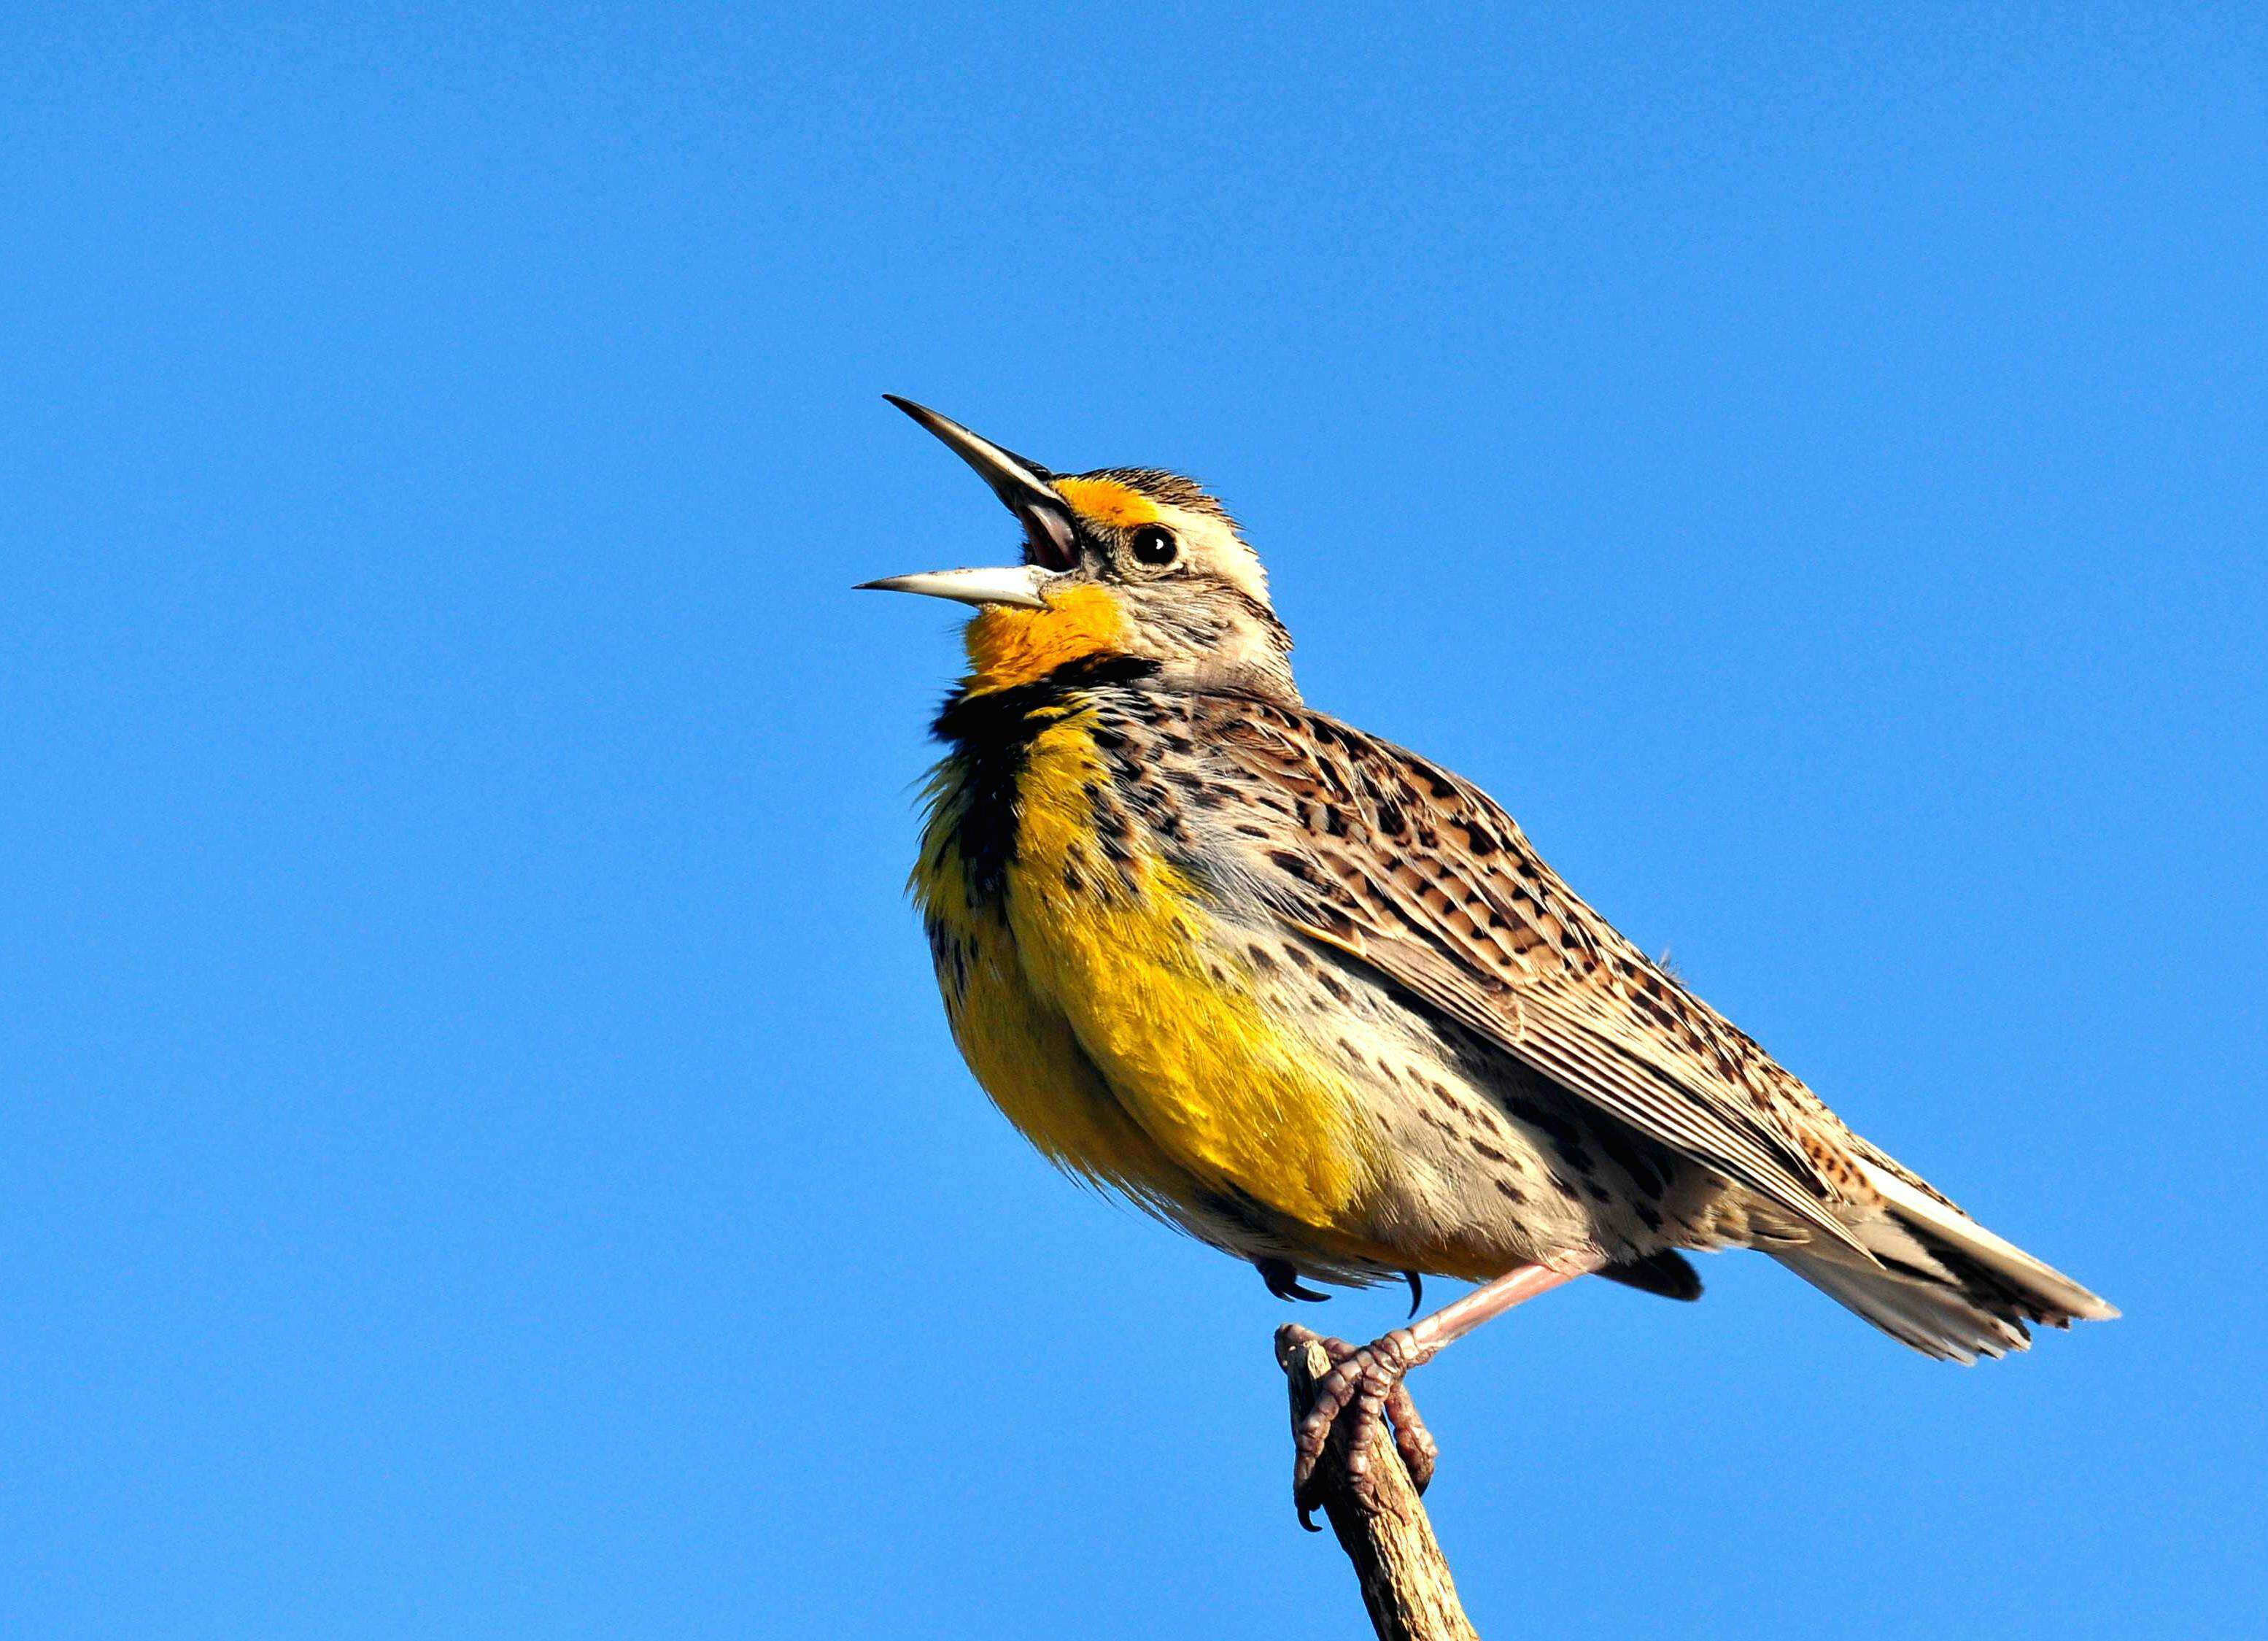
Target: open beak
[(1050, 541)]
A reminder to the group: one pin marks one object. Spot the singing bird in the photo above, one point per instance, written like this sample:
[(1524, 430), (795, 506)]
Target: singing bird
[(1317, 1001)]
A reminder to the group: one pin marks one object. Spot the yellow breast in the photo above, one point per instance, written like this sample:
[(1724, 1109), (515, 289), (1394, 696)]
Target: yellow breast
[(1099, 1009)]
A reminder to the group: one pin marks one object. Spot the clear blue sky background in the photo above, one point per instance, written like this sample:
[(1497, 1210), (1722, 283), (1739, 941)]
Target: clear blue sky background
[(479, 1150)]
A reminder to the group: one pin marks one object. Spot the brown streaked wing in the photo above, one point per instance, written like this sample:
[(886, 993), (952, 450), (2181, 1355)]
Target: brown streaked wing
[(1422, 878)]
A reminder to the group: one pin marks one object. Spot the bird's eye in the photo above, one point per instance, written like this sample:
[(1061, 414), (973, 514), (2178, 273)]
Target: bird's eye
[(1155, 546)]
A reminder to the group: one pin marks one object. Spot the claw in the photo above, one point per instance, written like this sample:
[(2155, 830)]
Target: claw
[(1283, 1280), (1417, 1289)]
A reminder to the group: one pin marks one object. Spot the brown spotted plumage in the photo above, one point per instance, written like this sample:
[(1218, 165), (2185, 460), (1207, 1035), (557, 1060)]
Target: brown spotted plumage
[(1319, 1000)]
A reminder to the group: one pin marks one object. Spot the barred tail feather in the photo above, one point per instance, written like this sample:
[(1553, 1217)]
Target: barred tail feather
[(1944, 1284)]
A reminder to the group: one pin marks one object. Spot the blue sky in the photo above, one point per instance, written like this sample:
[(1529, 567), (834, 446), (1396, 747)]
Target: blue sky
[(480, 1153)]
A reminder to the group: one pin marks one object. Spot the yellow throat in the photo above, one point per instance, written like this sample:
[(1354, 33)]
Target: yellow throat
[(1008, 647)]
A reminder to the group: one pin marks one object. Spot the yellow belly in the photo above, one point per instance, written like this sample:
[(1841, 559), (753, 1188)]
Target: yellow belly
[(1125, 1043)]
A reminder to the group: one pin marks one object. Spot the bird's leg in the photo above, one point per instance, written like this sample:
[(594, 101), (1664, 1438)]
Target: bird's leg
[(1366, 1385)]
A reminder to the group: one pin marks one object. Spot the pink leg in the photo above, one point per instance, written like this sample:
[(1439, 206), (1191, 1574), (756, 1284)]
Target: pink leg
[(1369, 1379)]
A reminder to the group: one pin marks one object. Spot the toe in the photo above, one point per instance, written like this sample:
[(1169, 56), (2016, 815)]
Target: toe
[(1411, 1439)]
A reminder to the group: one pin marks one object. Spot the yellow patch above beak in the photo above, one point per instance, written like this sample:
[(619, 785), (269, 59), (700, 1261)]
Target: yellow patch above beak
[(1107, 501)]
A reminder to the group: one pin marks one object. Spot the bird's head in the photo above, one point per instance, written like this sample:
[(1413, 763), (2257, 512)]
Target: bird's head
[(1118, 562)]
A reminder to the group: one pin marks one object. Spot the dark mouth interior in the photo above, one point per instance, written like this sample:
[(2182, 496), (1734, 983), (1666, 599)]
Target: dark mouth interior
[(1039, 543)]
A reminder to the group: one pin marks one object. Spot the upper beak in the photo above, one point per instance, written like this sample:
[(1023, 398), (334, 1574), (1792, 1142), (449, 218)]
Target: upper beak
[(1026, 488)]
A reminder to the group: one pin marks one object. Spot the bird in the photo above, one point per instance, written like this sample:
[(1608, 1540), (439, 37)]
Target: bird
[(1317, 1000)]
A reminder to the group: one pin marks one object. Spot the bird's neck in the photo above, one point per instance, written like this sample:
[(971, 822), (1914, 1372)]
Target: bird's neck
[(999, 721), (1083, 634)]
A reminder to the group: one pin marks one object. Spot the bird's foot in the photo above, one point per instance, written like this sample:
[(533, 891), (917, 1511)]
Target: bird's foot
[(1363, 1391)]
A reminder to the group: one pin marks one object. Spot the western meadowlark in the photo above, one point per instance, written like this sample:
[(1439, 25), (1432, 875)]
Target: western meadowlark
[(1317, 1001)]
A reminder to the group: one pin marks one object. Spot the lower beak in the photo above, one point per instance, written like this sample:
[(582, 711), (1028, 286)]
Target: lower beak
[(1019, 585)]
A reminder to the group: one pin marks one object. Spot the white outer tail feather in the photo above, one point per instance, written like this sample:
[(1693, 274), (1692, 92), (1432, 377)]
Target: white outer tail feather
[(1937, 1316)]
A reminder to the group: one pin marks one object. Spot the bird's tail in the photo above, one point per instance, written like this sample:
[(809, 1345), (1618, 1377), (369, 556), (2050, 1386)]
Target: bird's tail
[(1944, 1284)]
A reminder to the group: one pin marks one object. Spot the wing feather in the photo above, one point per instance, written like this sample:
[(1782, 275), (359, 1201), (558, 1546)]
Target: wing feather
[(1422, 878)]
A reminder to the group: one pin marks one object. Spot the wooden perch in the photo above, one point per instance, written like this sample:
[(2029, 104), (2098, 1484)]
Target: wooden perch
[(1405, 1578)]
